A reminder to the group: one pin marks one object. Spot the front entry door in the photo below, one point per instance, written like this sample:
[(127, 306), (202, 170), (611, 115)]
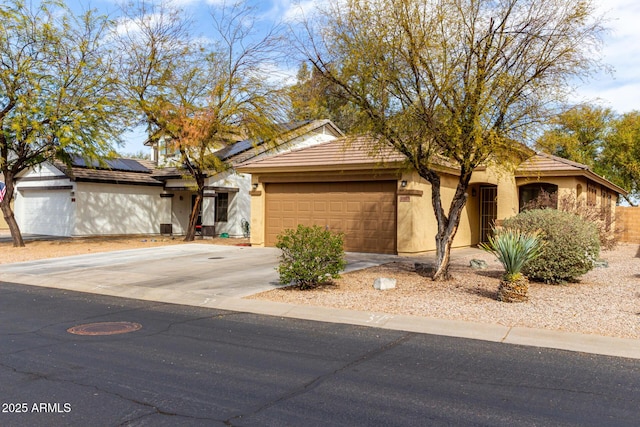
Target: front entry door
[(488, 211)]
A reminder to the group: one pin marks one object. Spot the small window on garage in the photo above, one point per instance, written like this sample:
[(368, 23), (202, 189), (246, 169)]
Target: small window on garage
[(222, 207)]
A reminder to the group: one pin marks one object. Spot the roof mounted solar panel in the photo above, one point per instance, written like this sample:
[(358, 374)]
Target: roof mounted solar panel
[(126, 165)]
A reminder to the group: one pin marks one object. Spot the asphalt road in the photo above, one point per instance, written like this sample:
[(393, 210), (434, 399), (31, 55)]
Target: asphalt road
[(197, 366)]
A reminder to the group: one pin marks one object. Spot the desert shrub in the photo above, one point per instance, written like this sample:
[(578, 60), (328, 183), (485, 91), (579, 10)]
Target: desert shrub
[(571, 244), (592, 214), (310, 255)]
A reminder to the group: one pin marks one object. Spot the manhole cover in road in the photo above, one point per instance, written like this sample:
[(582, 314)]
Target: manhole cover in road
[(105, 328)]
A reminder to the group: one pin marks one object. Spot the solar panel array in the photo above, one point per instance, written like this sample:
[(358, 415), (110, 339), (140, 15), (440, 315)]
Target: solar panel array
[(127, 165)]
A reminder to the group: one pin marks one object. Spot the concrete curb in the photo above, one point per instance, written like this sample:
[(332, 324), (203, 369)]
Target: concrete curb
[(594, 344)]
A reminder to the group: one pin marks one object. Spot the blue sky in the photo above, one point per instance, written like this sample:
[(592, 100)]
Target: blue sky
[(619, 89)]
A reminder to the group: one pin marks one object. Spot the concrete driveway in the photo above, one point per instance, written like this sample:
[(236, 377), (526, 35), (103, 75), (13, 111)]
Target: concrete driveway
[(193, 273)]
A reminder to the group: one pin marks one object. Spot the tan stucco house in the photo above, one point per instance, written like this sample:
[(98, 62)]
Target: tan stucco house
[(383, 206)]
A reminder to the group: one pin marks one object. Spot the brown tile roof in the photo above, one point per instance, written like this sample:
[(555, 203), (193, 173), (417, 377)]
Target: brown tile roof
[(543, 164), (354, 153), (548, 163), (349, 152)]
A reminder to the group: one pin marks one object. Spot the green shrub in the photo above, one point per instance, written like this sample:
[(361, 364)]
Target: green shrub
[(514, 248), (571, 245), (310, 255)]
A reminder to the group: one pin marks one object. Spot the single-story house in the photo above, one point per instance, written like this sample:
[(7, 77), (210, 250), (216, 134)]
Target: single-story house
[(383, 206), (131, 196)]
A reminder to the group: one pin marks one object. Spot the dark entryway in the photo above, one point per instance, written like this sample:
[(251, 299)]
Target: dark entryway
[(488, 210)]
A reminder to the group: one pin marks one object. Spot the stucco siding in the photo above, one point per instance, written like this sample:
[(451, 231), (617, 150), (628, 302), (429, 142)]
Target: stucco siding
[(103, 209), (239, 206), (239, 202), (417, 225)]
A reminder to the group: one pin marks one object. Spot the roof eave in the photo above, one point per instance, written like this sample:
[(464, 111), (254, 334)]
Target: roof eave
[(582, 172), (250, 169)]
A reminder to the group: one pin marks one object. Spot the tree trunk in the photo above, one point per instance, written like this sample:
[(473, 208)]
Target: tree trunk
[(199, 176), (5, 205), (514, 290), (447, 224), (193, 218), (443, 256)]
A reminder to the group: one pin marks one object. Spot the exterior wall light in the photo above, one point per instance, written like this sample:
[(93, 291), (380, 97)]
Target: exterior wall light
[(255, 186), (403, 183)]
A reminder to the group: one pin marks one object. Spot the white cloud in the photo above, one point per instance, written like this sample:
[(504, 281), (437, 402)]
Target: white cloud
[(621, 51), (297, 11)]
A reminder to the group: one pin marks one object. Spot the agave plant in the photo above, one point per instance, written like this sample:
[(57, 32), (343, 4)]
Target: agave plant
[(514, 249)]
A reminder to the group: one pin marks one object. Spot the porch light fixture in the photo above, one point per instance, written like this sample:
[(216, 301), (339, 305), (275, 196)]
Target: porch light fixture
[(403, 183), (255, 186), (473, 192)]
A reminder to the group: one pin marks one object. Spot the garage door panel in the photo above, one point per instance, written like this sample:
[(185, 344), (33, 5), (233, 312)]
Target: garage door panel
[(355, 206), (304, 207), (336, 224), (370, 225), (364, 211), (337, 207), (352, 225), (371, 206), (320, 206)]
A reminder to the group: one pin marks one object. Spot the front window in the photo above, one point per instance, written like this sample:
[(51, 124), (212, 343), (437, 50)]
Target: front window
[(222, 207), (539, 195)]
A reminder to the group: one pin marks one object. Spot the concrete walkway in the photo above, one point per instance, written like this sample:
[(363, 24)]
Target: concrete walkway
[(219, 276)]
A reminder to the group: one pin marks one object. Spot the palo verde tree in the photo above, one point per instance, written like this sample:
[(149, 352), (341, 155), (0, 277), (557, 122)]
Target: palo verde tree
[(57, 96), (578, 133), (458, 81), (198, 95)]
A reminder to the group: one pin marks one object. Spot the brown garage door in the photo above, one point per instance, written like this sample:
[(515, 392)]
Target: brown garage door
[(364, 211)]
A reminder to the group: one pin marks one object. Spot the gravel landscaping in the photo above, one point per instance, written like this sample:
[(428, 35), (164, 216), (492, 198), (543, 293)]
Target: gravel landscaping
[(606, 301)]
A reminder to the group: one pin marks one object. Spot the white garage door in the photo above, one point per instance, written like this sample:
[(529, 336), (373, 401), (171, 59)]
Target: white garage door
[(47, 212)]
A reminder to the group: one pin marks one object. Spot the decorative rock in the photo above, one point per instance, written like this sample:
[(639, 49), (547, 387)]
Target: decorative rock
[(478, 264), (383, 283), (601, 263)]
